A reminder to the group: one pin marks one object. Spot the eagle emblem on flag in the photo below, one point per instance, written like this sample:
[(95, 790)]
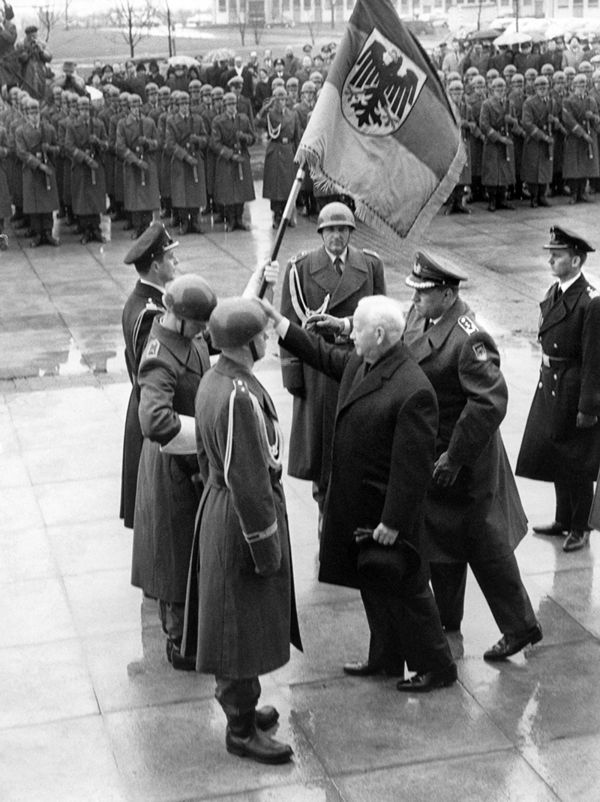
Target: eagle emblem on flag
[(381, 88)]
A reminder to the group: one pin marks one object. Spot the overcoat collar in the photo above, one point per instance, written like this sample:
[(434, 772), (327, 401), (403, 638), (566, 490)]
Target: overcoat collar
[(187, 352), (379, 373), (234, 370), (339, 288), (552, 312), (421, 346)]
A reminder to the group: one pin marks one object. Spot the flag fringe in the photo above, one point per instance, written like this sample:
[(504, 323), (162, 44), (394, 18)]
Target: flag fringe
[(312, 157)]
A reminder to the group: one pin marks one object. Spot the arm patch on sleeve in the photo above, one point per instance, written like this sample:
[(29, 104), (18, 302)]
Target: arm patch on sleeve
[(152, 349), (480, 352)]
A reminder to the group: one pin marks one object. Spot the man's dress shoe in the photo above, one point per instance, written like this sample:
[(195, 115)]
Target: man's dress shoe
[(423, 683), (258, 746), (511, 644), (576, 539), (369, 670), (550, 529), (177, 660)]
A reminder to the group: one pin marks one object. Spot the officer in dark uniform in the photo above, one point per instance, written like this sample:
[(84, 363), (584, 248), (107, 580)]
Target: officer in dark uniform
[(154, 259), (473, 513), (330, 279), (561, 443)]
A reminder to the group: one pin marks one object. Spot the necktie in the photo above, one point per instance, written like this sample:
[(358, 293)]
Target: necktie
[(557, 293), (428, 323), (337, 265)]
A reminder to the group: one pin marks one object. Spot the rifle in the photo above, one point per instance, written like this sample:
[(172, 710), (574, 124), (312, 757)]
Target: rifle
[(588, 130), (91, 151), (237, 148), (139, 149), (504, 131), (191, 149), (43, 157), (550, 132)]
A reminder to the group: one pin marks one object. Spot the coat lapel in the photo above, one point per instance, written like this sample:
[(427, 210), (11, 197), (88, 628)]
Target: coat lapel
[(553, 312), (422, 343), (375, 378), (353, 277), (322, 272)]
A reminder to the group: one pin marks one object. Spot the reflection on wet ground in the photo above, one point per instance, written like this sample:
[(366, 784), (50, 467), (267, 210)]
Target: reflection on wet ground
[(91, 710)]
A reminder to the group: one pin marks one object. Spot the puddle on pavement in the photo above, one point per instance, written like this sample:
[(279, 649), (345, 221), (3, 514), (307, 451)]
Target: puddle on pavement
[(73, 362)]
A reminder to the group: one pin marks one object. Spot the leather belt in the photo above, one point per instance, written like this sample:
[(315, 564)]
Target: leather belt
[(557, 361)]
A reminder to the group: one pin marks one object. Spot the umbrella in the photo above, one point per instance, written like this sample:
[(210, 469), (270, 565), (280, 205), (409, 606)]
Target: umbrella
[(221, 54), (95, 94), (512, 38), (483, 35), (186, 61)]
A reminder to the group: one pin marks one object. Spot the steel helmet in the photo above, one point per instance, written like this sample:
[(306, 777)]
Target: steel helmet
[(236, 321), (189, 297), (335, 214)]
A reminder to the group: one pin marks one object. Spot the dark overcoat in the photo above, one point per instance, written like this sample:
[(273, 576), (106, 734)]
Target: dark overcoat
[(538, 155), (383, 447), (40, 194), (167, 490), (233, 180), (576, 156), (188, 183), (553, 448), (476, 141), (497, 159), (245, 621), (88, 187), (480, 517), (140, 190), (315, 394), (140, 309), (283, 134), (5, 205)]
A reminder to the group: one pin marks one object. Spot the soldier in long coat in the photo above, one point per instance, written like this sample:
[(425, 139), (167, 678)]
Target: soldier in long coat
[(65, 163), (456, 203), (105, 115), (538, 149), (185, 142), (246, 616), (15, 169), (37, 148), (516, 97), (153, 257), (168, 490), (137, 146), (283, 138), (561, 442), (85, 143), (475, 101), (164, 164), (311, 284), (580, 161), (558, 94), (8, 58), (498, 158), (5, 204), (303, 110), (473, 512), (231, 135), (120, 113)]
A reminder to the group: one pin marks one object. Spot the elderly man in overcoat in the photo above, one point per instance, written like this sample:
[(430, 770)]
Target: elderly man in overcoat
[(231, 135), (382, 460), (561, 442), (330, 279), (154, 260), (473, 510)]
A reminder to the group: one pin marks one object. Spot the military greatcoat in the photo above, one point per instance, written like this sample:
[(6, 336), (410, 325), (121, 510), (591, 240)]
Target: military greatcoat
[(283, 132), (576, 157), (553, 448), (167, 490), (5, 205), (140, 309), (498, 159), (140, 189), (188, 183), (538, 155), (233, 180), (88, 187), (245, 621), (479, 517), (40, 195), (315, 394)]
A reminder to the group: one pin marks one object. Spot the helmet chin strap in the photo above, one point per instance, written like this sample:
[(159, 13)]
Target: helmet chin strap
[(253, 351)]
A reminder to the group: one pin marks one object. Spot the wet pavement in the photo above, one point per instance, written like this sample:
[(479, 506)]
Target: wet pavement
[(90, 708)]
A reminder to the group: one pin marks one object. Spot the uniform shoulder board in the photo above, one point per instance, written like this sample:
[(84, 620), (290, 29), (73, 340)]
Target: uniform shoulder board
[(152, 348), (467, 325), (371, 253), (591, 291), (298, 256)]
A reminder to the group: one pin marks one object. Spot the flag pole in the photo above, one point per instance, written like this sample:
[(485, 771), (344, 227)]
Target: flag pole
[(285, 219)]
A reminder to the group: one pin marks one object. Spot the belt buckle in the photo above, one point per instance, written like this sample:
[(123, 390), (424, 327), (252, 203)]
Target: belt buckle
[(546, 361)]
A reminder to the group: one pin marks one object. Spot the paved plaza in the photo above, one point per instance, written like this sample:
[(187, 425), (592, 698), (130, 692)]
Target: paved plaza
[(91, 710)]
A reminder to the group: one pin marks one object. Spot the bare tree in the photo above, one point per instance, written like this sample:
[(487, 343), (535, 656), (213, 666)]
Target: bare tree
[(48, 18), (133, 20), (313, 27), (242, 21), (66, 15)]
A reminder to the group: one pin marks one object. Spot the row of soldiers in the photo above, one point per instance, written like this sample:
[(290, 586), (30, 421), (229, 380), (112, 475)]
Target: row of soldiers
[(179, 152), (527, 135)]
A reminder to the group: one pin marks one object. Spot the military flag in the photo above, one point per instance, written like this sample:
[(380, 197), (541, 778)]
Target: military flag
[(383, 130)]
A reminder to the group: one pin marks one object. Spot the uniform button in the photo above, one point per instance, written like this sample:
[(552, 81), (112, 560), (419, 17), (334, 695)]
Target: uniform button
[(555, 345), (553, 393), (555, 377), (540, 385)]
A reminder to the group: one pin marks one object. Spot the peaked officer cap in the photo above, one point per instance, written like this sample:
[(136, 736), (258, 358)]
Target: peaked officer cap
[(428, 273), (562, 238), (153, 243)]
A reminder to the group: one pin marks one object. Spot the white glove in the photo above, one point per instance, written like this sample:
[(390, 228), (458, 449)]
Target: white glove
[(184, 441)]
